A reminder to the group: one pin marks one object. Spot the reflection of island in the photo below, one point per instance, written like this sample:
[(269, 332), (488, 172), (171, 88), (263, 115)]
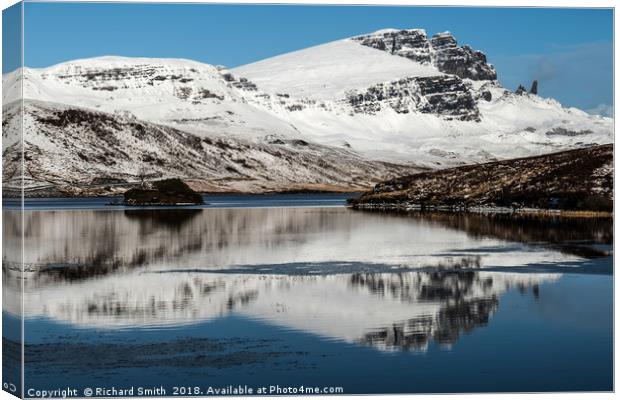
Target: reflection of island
[(152, 220)]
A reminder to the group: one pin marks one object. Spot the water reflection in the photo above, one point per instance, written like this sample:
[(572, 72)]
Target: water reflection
[(153, 220), (74, 245), (568, 235), (391, 282), (11, 302), (385, 310)]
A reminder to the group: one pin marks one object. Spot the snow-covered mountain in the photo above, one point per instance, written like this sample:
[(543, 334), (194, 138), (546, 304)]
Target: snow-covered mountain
[(78, 151), (199, 97), (398, 95), (385, 103)]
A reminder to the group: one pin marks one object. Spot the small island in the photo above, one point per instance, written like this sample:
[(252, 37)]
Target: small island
[(165, 192)]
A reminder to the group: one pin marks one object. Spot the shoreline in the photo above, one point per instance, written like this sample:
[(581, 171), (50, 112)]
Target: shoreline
[(353, 204), (485, 210), (224, 193)]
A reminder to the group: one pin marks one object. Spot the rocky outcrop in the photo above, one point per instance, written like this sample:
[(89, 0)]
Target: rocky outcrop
[(571, 180), (442, 95), (441, 50), (521, 90), (409, 43), (448, 96), (464, 61)]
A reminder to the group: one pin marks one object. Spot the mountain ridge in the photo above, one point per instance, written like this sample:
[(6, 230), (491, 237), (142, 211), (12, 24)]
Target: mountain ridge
[(397, 110)]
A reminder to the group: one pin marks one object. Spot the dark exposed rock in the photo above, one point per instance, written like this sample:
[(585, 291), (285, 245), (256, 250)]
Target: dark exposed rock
[(239, 83), (521, 90), (446, 96), (559, 131), (107, 88), (228, 77), (104, 180), (410, 43), (99, 123), (85, 74), (464, 61), (570, 180), (187, 93), (207, 94), (442, 51), (295, 107), (276, 141), (245, 84), (183, 93)]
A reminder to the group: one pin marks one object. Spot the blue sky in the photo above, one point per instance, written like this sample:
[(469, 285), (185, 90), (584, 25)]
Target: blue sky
[(11, 38), (568, 50)]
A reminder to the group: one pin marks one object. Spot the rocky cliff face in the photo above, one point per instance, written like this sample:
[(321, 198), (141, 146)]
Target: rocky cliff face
[(464, 61), (570, 180), (411, 43), (441, 50), (443, 95)]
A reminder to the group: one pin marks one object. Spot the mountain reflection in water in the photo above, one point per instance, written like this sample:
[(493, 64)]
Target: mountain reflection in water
[(387, 281), (386, 310)]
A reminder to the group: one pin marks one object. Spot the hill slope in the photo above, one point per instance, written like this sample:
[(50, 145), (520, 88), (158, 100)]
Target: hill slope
[(77, 151), (571, 180), (328, 71)]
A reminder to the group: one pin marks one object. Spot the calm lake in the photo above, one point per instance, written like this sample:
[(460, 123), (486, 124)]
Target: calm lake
[(295, 290)]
